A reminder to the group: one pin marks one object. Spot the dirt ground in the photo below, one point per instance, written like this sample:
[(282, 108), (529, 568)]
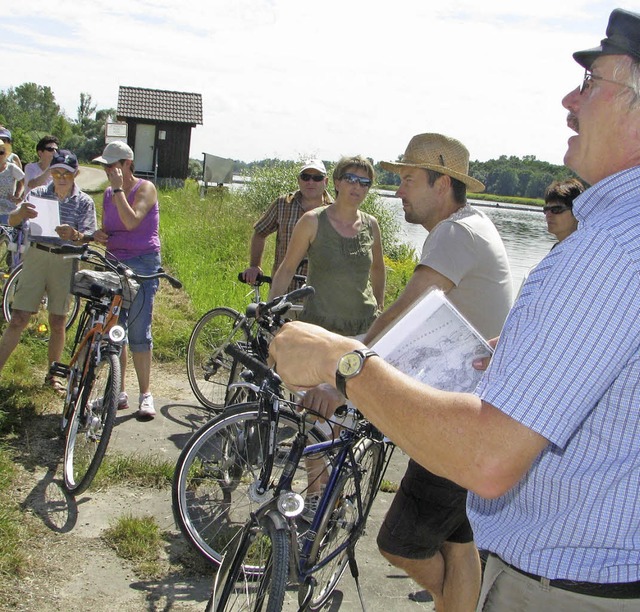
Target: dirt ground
[(74, 569)]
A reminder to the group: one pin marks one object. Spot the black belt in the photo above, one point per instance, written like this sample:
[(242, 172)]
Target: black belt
[(43, 247), (613, 590)]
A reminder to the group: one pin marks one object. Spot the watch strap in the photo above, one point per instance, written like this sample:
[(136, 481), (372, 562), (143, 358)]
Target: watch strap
[(341, 380)]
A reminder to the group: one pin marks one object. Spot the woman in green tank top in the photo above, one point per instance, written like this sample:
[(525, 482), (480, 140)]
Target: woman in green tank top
[(343, 245)]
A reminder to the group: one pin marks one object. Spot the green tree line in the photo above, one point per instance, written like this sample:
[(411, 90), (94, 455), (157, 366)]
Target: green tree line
[(30, 111)]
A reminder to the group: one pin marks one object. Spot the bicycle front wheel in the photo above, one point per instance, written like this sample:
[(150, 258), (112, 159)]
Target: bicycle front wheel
[(214, 480), (209, 368), (39, 322), (236, 589), (343, 520), (89, 428)]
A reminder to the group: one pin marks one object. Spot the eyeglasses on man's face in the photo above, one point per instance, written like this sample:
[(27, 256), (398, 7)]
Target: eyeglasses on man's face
[(354, 178), (51, 149), (61, 175), (590, 78), (306, 177), (556, 209)]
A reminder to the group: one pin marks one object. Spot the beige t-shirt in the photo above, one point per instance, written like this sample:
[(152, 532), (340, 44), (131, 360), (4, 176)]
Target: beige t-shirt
[(467, 249)]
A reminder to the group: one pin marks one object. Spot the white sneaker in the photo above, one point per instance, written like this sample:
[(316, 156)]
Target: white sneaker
[(123, 401), (146, 409)]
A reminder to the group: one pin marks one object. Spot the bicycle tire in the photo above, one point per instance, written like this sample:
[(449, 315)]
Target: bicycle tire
[(89, 428), (39, 323), (235, 589), (213, 476), (6, 256), (209, 368), (343, 520)]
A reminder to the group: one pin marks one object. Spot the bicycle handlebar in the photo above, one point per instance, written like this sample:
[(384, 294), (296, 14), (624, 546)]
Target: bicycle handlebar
[(260, 369), (84, 252), (261, 279)]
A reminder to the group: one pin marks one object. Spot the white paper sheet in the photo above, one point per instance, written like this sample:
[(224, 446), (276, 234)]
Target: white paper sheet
[(48, 216), (434, 344)]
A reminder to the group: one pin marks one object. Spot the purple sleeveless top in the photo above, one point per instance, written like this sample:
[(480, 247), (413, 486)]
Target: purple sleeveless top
[(124, 243)]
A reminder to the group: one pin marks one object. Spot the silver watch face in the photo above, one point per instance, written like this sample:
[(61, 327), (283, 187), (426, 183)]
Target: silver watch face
[(349, 364)]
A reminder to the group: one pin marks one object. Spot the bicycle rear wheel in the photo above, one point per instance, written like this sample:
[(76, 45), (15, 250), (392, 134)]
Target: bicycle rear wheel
[(89, 428), (6, 256), (39, 323), (343, 520), (260, 542), (209, 368), (213, 495)]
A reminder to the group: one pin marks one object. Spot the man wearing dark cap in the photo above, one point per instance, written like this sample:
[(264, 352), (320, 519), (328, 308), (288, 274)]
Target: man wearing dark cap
[(45, 271), (549, 443)]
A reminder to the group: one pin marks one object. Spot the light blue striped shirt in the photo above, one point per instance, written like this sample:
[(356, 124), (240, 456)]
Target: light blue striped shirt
[(568, 367)]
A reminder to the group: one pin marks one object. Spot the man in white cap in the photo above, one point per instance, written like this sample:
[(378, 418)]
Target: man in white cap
[(282, 216), (46, 271), (548, 444)]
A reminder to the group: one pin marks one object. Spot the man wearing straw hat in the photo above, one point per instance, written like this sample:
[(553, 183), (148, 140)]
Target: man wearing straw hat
[(426, 531), (548, 444)]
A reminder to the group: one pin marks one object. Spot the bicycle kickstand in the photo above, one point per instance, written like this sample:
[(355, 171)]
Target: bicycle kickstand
[(355, 572)]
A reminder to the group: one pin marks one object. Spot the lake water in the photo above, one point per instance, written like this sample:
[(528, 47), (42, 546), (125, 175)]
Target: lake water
[(523, 232)]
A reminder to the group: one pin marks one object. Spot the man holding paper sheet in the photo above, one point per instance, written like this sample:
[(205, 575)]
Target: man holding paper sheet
[(548, 444), (72, 218)]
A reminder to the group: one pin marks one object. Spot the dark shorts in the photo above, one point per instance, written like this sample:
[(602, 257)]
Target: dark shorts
[(426, 512)]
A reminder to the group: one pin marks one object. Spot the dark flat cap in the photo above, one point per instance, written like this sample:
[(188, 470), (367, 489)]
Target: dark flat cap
[(623, 38)]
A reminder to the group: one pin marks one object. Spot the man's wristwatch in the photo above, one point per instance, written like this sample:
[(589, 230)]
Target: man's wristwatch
[(119, 190), (350, 365)]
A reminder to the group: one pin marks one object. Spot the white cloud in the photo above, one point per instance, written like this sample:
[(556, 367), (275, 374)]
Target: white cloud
[(282, 78)]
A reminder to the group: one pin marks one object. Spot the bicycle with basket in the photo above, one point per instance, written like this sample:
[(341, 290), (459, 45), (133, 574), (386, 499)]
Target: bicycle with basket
[(93, 373)]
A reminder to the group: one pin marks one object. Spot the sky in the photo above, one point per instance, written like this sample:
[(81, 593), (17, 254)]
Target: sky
[(291, 79)]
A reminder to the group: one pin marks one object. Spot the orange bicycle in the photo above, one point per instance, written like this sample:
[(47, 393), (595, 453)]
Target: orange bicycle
[(93, 372)]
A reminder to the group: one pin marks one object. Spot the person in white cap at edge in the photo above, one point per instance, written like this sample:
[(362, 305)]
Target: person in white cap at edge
[(130, 222)]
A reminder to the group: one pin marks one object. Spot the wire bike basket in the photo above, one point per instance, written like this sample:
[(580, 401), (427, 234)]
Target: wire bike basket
[(95, 284)]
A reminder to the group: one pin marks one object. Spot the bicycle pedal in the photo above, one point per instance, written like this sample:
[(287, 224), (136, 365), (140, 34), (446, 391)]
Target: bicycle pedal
[(60, 370)]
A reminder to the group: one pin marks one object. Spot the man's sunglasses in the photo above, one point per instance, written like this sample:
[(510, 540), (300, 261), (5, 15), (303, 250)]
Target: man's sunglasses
[(316, 178), (51, 149), (555, 210), (354, 178)]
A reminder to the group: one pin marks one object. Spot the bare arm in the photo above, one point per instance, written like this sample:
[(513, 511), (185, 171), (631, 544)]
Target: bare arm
[(421, 281), (40, 180), (303, 235), (256, 249), (455, 435), (378, 271)]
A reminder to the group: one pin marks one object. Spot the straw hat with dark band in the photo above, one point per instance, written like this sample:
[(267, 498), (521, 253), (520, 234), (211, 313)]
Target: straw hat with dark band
[(440, 154)]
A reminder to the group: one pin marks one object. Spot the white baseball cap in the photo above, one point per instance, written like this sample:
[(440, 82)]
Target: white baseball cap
[(114, 152), (314, 164)]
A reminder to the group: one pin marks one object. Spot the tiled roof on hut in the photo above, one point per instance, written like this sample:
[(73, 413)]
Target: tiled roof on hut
[(160, 105)]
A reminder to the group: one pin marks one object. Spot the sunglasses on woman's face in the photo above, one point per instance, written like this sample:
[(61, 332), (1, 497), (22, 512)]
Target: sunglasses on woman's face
[(555, 210), (354, 178)]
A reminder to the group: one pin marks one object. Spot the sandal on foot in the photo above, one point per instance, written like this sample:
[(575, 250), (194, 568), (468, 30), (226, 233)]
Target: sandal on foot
[(56, 385)]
